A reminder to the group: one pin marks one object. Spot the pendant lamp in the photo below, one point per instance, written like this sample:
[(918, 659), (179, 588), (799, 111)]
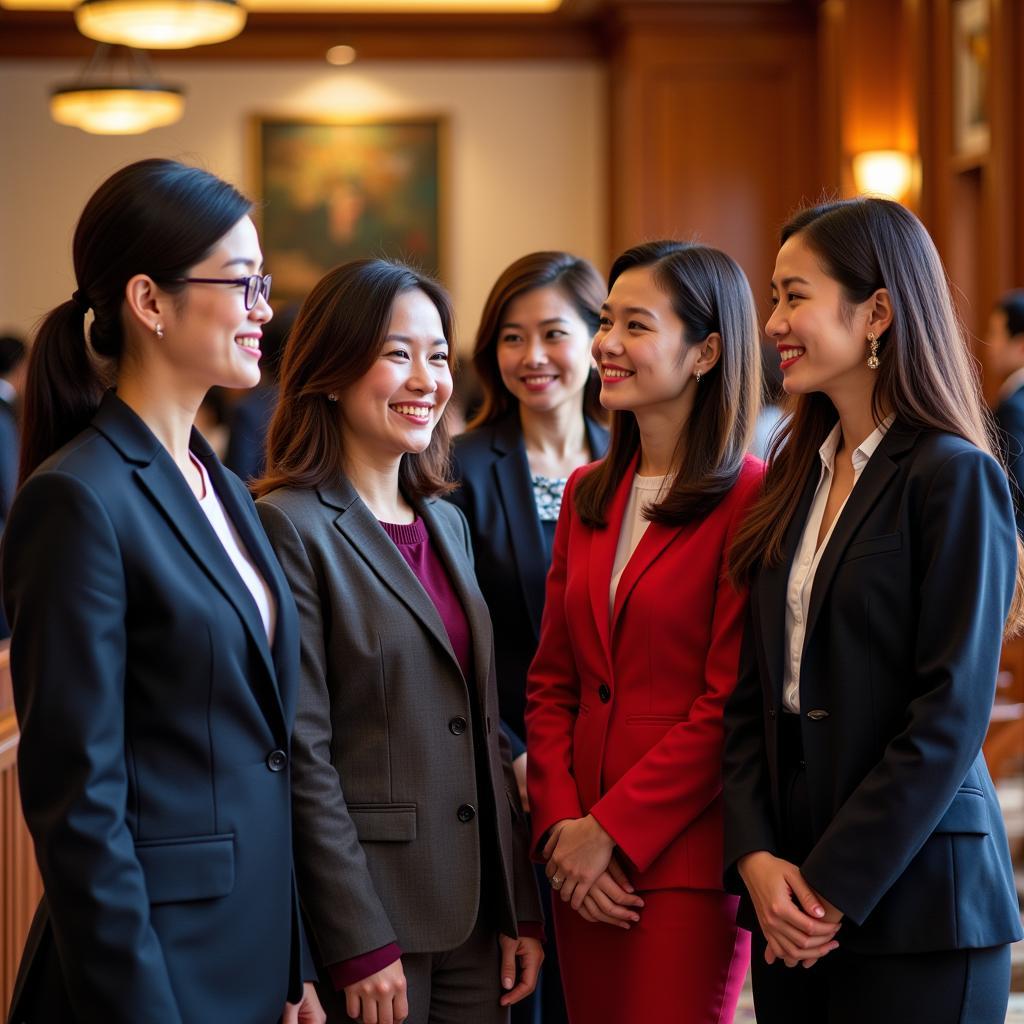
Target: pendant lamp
[(160, 24)]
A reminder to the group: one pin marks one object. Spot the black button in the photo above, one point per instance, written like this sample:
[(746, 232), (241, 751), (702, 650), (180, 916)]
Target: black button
[(457, 725), (276, 760), (605, 693), (771, 714), (467, 812)]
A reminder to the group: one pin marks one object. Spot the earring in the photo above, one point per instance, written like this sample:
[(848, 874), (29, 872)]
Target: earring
[(697, 375), (873, 357), (332, 397), (158, 330)]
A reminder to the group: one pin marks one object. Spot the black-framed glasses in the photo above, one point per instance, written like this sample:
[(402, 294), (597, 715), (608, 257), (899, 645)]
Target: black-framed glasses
[(255, 285)]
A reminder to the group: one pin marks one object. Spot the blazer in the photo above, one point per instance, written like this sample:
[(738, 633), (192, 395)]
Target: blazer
[(496, 494), (1009, 416), (154, 742), (896, 684), (624, 708), (389, 821)]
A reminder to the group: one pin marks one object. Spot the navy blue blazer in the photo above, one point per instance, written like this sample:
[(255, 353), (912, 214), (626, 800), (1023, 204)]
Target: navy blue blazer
[(897, 679), (512, 560), (154, 754)]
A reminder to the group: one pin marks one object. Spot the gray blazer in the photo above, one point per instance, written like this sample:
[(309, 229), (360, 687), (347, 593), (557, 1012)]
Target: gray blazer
[(383, 763)]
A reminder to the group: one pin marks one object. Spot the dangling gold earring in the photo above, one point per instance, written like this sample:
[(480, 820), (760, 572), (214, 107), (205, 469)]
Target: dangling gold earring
[(873, 357), (697, 375)]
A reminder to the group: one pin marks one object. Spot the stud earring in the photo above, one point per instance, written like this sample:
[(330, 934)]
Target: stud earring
[(158, 330), (697, 376), (332, 397), (873, 357)]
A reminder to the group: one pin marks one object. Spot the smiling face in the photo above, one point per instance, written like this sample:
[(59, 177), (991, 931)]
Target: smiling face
[(394, 407), (821, 339), (543, 350)]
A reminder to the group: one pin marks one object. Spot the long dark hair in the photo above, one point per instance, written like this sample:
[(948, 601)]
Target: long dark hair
[(926, 377), (154, 217), (709, 293), (581, 285), (336, 339)]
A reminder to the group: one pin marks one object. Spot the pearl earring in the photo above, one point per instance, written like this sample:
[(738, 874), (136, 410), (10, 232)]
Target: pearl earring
[(697, 376), (158, 330), (873, 357), (332, 397)]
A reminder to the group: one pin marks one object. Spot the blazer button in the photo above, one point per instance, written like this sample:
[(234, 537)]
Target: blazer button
[(817, 714), (457, 726), (605, 693), (276, 760), (467, 812), (771, 714)]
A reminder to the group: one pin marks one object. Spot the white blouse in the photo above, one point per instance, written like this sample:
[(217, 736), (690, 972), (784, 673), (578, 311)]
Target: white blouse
[(807, 559), (646, 490)]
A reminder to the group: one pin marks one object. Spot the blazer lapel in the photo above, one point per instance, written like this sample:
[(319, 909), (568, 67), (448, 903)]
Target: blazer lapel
[(881, 468), (515, 489)]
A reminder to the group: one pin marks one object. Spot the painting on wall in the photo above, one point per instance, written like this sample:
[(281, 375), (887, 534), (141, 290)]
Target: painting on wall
[(972, 44), (331, 191)]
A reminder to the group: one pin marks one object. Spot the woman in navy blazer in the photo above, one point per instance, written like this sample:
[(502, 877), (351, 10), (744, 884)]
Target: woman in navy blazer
[(862, 827), (155, 642)]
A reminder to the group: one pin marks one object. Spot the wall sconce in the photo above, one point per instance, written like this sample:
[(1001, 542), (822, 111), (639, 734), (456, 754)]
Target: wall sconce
[(884, 172), (117, 95), (160, 24)]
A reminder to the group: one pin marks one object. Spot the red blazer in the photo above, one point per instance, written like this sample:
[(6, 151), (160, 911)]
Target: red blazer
[(624, 711)]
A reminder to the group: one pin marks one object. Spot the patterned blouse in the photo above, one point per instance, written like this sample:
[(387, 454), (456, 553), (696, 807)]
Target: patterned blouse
[(547, 493)]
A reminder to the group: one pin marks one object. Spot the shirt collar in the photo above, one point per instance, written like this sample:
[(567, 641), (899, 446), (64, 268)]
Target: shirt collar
[(863, 451)]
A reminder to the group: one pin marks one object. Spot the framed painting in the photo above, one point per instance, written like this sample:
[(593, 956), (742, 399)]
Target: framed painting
[(331, 191), (972, 47)]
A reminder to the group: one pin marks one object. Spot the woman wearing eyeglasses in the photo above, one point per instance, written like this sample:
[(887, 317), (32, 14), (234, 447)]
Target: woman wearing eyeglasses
[(155, 641)]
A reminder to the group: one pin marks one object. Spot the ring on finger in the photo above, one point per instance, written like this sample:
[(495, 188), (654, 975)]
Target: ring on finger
[(556, 882)]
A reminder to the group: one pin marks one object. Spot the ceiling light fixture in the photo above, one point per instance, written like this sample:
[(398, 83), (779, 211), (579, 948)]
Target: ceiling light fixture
[(341, 55), (160, 24)]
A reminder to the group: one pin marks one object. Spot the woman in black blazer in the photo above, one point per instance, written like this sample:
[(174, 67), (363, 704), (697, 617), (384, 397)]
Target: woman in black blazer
[(155, 644), (862, 827), (540, 420)]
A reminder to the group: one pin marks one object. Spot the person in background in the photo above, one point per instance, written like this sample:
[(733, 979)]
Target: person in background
[(540, 420), (862, 827), (154, 652), (13, 367), (411, 844), (1005, 339), (639, 648), (250, 415)]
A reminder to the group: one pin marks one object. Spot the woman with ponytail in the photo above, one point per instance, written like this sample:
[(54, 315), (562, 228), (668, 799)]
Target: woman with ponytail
[(154, 650), (862, 828)]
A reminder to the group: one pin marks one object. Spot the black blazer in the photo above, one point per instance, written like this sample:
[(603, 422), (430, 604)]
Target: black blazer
[(1010, 420), (496, 495), (896, 686), (155, 723)]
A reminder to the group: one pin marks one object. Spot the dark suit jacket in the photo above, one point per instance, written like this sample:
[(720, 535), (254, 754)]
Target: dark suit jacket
[(896, 685), (10, 441), (1010, 420), (512, 561), (154, 741), (384, 754), (247, 432)]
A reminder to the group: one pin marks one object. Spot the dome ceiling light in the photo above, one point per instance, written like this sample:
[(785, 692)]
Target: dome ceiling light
[(160, 24)]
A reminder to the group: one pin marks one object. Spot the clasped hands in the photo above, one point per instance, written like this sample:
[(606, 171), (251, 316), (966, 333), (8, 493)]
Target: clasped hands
[(796, 934), (583, 870)]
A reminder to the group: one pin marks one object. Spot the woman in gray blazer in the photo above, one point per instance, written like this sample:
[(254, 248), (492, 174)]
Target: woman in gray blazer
[(411, 846)]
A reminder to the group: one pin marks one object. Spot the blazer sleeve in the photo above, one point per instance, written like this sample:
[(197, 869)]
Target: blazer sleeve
[(553, 696), (968, 560), (746, 785), (678, 778), (65, 595), (344, 912)]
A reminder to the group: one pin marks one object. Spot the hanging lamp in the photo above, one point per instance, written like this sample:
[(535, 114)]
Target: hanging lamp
[(160, 24)]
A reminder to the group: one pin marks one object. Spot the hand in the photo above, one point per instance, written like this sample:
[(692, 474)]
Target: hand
[(793, 934), (380, 998), (578, 853), (531, 956), (519, 769), (612, 899), (309, 1011)]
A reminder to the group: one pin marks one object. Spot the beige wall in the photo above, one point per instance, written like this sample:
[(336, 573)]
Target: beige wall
[(526, 169)]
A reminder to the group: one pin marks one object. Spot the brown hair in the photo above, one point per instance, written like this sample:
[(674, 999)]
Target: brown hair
[(926, 377), (709, 293), (335, 340), (578, 281)]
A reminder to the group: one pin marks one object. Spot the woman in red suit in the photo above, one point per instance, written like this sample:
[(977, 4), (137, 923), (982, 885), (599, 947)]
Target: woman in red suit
[(639, 649)]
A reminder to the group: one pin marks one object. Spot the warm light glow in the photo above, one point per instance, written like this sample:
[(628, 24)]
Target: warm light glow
[(354, 6), (160, 24), (117, 110), (341, 55), (884, 172)]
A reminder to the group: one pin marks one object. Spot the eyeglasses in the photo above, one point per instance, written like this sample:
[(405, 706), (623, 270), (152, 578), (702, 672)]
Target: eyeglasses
[(255, 285)]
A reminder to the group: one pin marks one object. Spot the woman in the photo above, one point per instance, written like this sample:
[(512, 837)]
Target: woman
[(861, 822), (411, 845), (639, 648), (1005, 339), (540, 421), (155, 643)]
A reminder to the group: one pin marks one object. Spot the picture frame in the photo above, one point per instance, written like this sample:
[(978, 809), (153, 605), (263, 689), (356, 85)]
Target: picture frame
[(972, 47), (332, 190)]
